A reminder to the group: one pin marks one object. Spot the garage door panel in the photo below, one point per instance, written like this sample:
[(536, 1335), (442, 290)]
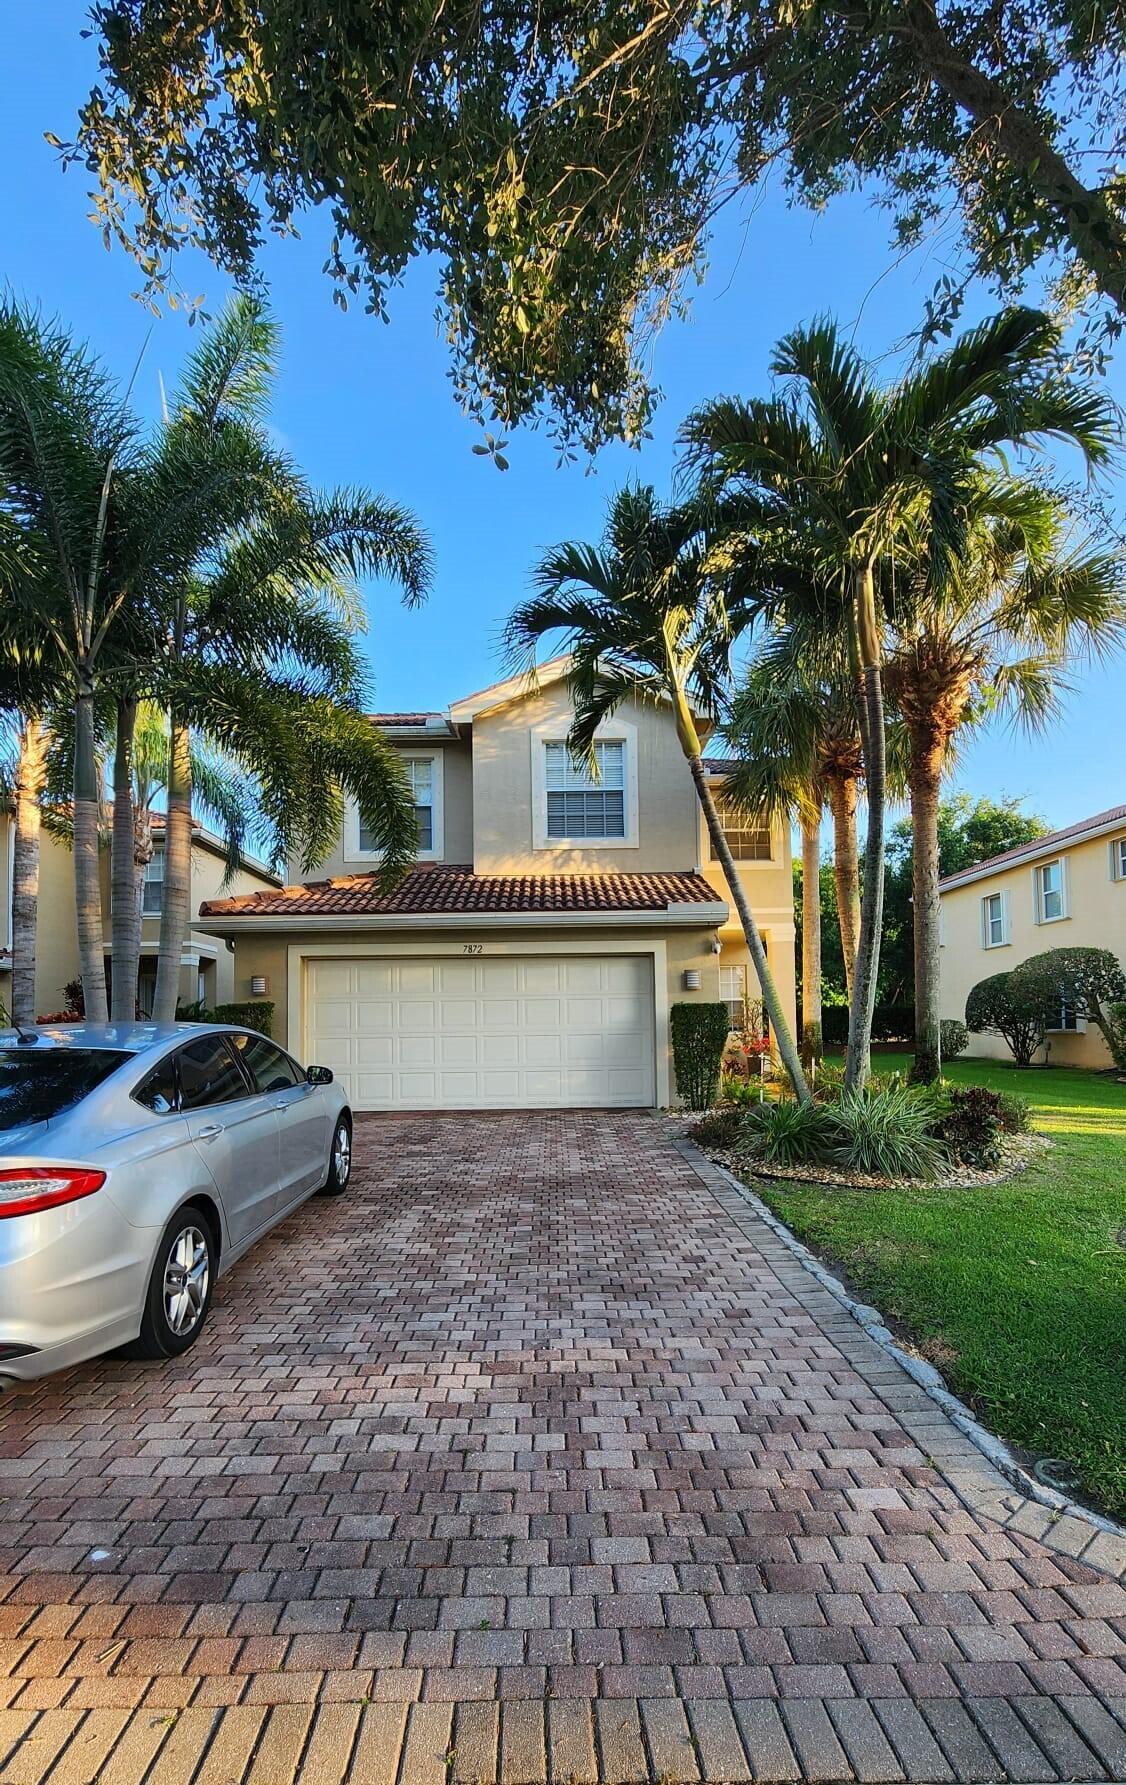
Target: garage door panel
[(504, 1032)]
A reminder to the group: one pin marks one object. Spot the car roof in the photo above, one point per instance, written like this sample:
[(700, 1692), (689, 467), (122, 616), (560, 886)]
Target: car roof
[(129, 1038)]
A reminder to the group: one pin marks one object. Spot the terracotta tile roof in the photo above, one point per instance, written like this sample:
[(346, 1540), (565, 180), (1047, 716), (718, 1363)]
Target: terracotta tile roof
[(443, 887), (720, 765), (1072, 833), (405, 719)]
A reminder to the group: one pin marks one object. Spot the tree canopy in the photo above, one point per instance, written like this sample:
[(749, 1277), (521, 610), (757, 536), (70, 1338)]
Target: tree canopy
[(564, 164)]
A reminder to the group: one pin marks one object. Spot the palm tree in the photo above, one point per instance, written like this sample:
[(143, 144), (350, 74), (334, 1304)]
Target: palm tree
[(114, 535), (994, 637), (853, 470), (266, 627), (645, 619)]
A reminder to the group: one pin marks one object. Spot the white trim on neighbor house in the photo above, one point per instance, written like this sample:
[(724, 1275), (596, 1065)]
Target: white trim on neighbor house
[(612, 731), (705, 916), (299, 953), (1045, 848), (1058, 891), (352, 851)]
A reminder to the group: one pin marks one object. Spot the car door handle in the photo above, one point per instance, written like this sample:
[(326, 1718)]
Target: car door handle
[(209, 1133)]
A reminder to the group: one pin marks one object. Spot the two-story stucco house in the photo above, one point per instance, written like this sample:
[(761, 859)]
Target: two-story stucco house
[(1066, 890), (207, 967), (530, 959)]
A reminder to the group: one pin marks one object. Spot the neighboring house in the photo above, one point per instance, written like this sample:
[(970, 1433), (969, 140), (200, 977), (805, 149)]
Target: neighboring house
[(1066, 890), (207, 967), (530, 958)]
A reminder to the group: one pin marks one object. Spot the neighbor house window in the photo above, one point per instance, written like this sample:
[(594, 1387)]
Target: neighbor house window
[(747, 838), (732, 990), (582, 804), (993, 920), (1118, 858), (1050, 891), (152, 890), (425, 780), (1068, 1018)]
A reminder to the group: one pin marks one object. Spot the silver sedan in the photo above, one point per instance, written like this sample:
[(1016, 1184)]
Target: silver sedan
[(137, 1162)]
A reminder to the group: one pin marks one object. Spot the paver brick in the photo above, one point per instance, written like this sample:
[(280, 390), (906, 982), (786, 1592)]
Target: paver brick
[(537, 1424)]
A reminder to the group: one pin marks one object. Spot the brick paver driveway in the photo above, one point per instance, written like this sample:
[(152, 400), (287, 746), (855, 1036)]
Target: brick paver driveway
[(523, 1461)]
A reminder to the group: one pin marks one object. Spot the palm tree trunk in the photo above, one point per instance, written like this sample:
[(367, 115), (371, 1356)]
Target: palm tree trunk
[(30, 770), (858, 1063), (125, 925), (772, 1003), (925, 780), (843, 800), (142, 856), (87, 882), (811, 1045), (177, 872)]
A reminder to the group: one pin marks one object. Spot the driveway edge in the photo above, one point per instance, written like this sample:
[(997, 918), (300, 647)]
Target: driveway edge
[(980, 1468)]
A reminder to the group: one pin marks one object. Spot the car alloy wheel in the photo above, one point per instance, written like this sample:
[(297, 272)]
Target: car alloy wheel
[(342, 1153), (187, 1272)]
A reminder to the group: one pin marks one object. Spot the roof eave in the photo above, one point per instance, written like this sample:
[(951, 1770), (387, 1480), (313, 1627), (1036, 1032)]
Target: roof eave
[(1045, 846), (705, 915)]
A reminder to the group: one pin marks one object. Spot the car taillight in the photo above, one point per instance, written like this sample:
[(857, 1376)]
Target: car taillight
[(25, 1189)]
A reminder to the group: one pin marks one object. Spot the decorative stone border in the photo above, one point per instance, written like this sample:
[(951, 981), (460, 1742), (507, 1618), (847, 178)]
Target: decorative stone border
[(981, 1469)]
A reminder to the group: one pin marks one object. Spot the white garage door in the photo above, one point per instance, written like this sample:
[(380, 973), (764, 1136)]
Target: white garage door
[(508, 1032)]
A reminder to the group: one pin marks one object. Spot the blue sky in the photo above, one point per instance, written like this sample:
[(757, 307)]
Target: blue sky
[(361, 403)]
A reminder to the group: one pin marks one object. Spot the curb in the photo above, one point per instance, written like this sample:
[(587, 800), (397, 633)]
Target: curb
[(1034, 1510)]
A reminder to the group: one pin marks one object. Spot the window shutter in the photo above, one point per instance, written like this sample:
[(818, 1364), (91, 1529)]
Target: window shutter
[(1112, 857), (1006, 918), (1065, 887), (1036, 895)]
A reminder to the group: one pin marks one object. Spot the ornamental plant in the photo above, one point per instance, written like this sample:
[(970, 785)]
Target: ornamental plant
[(1089, 981), (1017, 1013), (699, 1036)]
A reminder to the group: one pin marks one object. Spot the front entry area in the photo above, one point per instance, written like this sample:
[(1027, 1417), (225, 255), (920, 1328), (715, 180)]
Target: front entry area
[(485, 1032)]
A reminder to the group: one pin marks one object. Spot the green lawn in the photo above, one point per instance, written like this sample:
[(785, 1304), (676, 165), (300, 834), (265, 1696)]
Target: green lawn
[(1017, 1293)]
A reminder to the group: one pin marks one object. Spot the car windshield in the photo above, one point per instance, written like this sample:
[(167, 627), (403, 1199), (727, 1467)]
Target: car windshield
[(38, 1083)]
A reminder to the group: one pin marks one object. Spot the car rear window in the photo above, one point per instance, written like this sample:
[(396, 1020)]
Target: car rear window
[(38, 1083)]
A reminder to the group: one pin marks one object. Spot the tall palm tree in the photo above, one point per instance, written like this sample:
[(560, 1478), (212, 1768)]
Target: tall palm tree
[(1026, 597), (645, 619), (853, 470)]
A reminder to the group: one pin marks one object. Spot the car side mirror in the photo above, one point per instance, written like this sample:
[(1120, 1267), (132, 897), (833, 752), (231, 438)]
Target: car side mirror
[(318, 1075)]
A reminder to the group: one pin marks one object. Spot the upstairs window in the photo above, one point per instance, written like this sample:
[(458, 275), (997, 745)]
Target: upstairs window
[(994, 925), (1118, 858), (747, 838), (1050, 885), (425, 776), (581, 807), (152, 888)]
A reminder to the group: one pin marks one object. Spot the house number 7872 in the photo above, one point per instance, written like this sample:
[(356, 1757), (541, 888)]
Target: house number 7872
[(473, 948)]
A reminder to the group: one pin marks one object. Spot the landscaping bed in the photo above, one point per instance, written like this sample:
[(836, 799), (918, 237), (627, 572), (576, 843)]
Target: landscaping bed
[(1018, 1151)]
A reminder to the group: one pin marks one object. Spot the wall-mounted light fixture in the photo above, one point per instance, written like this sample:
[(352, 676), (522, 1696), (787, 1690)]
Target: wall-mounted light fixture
[(259, 985), (692, 979), (717, 945)]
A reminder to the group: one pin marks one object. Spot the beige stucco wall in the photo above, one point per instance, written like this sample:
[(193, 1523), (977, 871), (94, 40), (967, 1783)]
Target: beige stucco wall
[(1096, 919), (502, 792)]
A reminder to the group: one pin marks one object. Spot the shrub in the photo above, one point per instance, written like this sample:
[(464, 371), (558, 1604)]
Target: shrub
[(740, 1093), (954, 1037), (250, 1014), (1089, 981), (828, 1082), (888, 1134), (1017, 1013), (971, 1126), (1014, 1113), (699, 1036), (719, 1130), (788, 1133)]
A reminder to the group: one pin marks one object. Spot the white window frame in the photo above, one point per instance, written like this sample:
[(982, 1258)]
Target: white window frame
[(611, 731), (151, 879), (735, 820), (1117, 855), (1039, 893), (1005, 937), (436, 852), (1078, 1027), (733, 991)]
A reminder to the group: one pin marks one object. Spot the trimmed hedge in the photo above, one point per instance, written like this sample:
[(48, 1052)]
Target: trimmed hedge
[(250, 1014), (699, 1036)]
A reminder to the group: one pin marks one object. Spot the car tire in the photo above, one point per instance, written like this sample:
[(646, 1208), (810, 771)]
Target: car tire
[(180, 1287), (339, 1158)]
